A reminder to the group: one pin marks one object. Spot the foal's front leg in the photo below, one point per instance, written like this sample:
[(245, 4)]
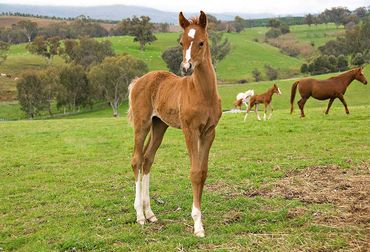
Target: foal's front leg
[(198, 148)]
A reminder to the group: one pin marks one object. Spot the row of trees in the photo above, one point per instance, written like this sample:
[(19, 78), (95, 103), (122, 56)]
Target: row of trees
[(71, 87), (338, 15), (27, 30), (325, 64)]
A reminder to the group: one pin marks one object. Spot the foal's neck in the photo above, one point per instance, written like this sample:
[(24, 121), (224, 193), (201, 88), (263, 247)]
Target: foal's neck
[(204, 77)]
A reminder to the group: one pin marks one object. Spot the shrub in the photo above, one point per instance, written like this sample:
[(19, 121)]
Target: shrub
[(257, 75), (271, 73), (273, 33), (342, 63), (358, 60), (304, 68)]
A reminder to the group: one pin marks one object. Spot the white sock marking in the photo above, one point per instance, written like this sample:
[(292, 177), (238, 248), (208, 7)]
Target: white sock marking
[(197, 217), (138, 204), (146, 199), (191, 33)]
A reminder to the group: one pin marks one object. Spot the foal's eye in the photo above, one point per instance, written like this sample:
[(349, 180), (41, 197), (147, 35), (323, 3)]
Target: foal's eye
[(201, 44)]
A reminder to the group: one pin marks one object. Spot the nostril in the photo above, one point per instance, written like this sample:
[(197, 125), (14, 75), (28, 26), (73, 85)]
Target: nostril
[(190, 65)]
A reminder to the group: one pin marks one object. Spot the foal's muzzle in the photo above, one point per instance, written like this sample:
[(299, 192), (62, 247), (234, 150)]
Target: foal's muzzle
[(186, 68), (365, 82)]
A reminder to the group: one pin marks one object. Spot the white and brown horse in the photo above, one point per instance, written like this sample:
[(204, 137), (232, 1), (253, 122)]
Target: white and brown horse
[(160, 99)]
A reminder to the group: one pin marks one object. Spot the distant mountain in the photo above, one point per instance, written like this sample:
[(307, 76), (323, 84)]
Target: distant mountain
[(115, 12)]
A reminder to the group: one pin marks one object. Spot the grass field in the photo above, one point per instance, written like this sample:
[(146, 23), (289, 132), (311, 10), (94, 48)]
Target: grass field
[(316, 34), (288, 184)]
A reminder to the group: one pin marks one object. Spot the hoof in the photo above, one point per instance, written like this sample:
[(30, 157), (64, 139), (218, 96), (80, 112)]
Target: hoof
[(152, 218), (141, 222), (200, 233)]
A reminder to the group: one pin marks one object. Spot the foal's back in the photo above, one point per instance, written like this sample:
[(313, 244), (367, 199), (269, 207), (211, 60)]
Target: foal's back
[(156, 93)]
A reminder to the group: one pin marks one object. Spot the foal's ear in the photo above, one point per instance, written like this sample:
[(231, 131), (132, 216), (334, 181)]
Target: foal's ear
[(183, 21), (203, 20)]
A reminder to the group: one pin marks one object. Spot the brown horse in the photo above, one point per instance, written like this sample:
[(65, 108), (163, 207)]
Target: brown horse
[(334, 87), (160, 99), (264, 98)]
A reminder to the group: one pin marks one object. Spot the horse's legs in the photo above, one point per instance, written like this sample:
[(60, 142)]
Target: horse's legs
[(195, 145), (249, 107), (271, 110), (256, 110), (157, 132), (329, 105), (265, 111), (301, 103), (141, 131), (341, 98)]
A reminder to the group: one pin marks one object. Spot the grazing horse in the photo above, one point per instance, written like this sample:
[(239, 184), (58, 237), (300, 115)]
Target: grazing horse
[(264, 98), (243, 98), (160, 99), (334, 87)]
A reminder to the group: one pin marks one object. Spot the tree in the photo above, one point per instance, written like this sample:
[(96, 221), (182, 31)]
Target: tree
[(142, 30), (239, 24), (308, 19), (358, 60), (112, 77), (274, 23), (257, 75), (219, 49), (31, 94), (342, 63), (74, 89), (304, 68), (87, 51), (173, 58), (50, 80), (4, 48), (47, 48), (29, 27)]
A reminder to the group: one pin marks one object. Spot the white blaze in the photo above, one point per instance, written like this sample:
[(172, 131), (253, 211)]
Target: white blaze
[(191, 33), (279, 90), (188, 53)]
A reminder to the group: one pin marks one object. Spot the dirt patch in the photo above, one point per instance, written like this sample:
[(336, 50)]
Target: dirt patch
[(347, 189)]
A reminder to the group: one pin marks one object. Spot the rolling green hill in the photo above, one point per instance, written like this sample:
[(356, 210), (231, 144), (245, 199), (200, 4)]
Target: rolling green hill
[(248, 52)]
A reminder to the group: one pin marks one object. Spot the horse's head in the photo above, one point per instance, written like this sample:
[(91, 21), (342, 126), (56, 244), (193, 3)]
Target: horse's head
[(194, 42), (359, 75), (276, 89)]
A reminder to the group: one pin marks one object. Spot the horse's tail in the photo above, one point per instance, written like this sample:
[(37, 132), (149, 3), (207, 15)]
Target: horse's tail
[(292, 96), (129, 112)]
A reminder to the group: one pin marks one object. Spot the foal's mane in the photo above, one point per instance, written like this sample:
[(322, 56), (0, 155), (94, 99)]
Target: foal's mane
[(194, 20)]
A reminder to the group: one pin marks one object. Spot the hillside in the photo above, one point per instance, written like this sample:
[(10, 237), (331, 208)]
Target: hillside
[(246, 54), (6, 21)]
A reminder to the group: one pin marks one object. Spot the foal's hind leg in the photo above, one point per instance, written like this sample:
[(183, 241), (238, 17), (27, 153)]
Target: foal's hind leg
[(271, 110), (141, 131), (157, 132), (301, 103), (341, 98), (329, 105)]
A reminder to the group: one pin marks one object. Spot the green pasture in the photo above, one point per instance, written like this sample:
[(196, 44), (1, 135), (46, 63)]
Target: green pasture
[(317, 34), (67, 184)]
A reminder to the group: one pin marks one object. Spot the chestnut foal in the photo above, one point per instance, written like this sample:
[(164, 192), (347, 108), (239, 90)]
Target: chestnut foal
[(160, 99), (264, 98)]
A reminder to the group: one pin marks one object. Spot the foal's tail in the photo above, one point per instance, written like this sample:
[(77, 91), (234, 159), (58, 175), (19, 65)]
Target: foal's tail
[(129, 112), (292, 96)]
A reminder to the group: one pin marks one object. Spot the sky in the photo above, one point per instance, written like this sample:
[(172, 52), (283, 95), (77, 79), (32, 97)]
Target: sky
[(215, 6)]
